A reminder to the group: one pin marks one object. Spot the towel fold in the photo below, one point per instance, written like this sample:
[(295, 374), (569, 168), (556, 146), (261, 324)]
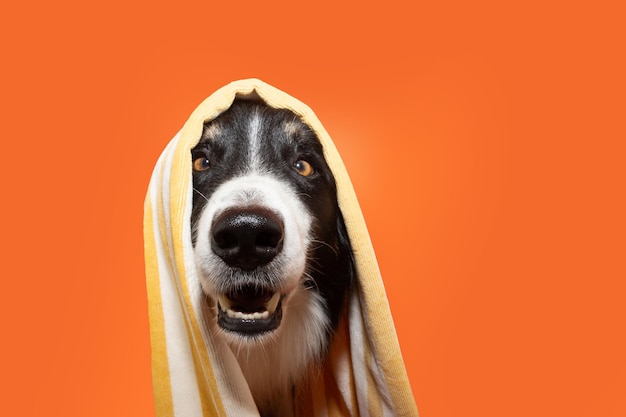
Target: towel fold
[(195, 374)]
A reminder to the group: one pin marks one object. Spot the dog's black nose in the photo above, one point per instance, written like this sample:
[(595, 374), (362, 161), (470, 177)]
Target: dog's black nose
[(247, 238)]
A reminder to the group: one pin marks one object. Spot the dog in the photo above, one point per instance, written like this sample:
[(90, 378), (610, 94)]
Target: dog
[(270, 246)]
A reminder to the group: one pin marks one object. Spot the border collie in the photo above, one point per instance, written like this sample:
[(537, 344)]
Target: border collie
[(270, 247)]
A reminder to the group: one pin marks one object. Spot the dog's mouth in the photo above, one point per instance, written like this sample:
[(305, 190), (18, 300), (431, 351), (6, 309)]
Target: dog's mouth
[(250, 311)]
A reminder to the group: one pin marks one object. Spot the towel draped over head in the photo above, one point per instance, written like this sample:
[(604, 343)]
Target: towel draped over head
[(195, 374)]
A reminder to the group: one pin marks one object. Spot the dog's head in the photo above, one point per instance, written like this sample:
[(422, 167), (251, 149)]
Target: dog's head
[(268, 235)]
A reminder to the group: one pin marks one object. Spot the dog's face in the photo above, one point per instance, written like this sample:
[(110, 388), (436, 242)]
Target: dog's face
[(267, 231)]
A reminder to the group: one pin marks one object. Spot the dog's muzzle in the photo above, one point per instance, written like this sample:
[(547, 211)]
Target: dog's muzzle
[(247, 239)]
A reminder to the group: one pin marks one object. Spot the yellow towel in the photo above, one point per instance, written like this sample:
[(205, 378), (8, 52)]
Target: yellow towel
[(197, 375)]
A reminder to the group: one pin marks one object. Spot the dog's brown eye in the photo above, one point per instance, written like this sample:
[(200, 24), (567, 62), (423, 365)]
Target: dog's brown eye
[(304, 168), (200, 164)]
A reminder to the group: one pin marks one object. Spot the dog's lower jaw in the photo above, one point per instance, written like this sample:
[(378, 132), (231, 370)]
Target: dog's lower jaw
[(276, 362)]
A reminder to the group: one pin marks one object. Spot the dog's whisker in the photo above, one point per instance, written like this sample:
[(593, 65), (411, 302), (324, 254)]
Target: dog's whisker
[(322, 243), (201, 195), (309, 282), (315, 266)]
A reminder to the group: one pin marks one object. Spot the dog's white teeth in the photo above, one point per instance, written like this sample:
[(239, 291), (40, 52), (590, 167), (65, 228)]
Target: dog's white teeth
[(260, 316), (229, 307), (234, 314), (247, 316), (272, 303)]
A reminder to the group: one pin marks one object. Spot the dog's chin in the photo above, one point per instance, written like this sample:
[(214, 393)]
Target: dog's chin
[(250, 312)]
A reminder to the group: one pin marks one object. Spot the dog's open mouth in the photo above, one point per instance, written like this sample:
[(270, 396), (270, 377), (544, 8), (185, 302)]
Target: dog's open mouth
[(250, 311)]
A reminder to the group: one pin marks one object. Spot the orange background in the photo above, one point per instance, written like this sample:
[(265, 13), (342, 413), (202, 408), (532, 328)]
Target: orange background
[(485, 141)]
